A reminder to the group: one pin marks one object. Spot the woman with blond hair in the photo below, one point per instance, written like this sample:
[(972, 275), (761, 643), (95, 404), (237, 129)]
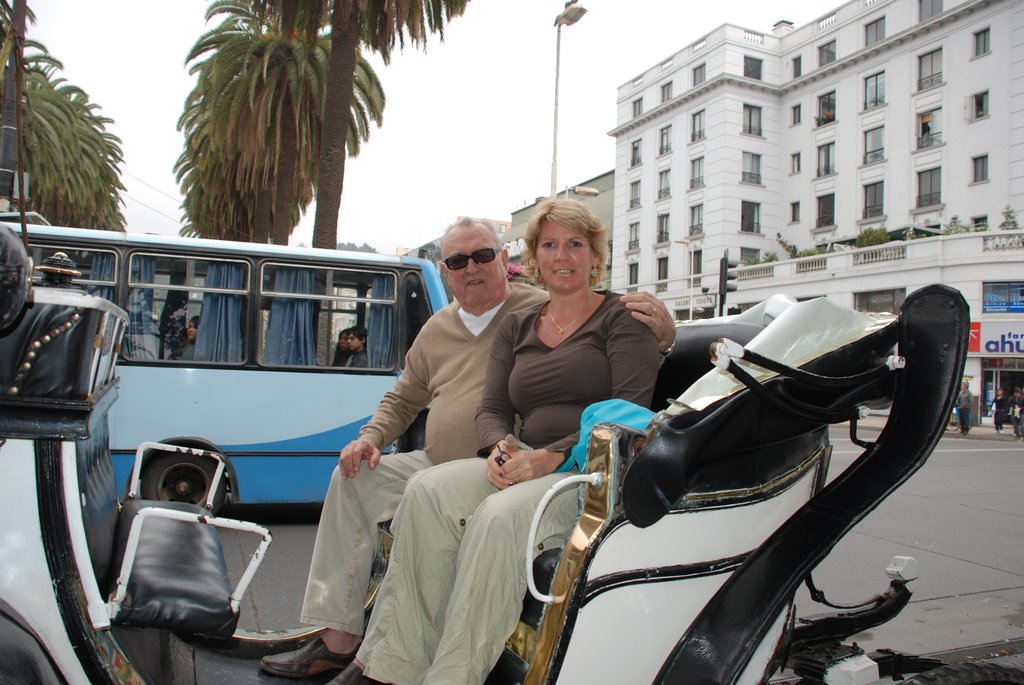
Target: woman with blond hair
[(456, 580)]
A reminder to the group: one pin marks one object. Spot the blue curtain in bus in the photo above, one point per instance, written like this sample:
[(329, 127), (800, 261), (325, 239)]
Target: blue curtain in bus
[(380, 323), (291, 328), (220, 325), (140, 340), (102, 270)]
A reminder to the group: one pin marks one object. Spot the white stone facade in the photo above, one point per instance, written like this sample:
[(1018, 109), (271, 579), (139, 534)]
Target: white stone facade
[(915, 121)]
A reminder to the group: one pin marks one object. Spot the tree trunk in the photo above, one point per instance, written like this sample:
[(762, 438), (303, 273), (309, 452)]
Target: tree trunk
[(284, 179), (334, 132), (262, 217)]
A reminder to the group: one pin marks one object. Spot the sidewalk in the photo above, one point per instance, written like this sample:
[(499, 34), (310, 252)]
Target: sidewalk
[(982, 432)]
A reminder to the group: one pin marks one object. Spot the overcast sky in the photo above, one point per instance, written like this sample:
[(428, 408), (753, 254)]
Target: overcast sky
[(468, 123)]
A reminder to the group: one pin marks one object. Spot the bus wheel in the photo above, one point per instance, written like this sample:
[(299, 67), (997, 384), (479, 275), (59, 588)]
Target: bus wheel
[(173, 477), (975, 673)]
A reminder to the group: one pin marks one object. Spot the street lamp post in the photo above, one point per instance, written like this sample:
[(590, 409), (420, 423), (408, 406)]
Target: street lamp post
[(569, 16), (689, 270)]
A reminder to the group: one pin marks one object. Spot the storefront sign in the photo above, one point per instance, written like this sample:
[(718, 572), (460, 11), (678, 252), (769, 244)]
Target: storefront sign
[(1001, 338)]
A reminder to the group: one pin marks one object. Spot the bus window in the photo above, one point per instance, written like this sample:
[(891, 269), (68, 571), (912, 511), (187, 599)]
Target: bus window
[(98, 267), (167, 293), (417, 308), (303, 309)]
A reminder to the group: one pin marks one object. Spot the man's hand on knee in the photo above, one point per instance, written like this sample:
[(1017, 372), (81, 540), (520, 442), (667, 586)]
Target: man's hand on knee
[(354, 454)]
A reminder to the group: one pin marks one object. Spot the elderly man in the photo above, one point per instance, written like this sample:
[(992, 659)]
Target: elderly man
[(444, 370)]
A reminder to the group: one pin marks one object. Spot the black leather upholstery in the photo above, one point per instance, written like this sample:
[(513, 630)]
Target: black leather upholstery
[(99, 500), (180, 579)]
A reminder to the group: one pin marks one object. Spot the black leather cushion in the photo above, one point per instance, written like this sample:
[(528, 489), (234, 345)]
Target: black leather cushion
[(691, 356), (179, 581)]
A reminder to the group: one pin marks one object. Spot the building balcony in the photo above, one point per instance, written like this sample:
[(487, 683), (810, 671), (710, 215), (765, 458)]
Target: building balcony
[(663, 237), (664, 149), (825, 118), (697, 135), (929, 199), (696, 182), (664, 192), (633, 245), (929, 81), (825, 220), (748, 226), (752, 130), (751, 177), (871, 211), (872, 103), (873, 156), (634, 203), (826, 171), (697, 229), (929, 140)]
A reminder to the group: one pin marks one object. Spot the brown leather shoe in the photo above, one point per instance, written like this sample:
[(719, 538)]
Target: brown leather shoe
[(309, 660), (352, 675)]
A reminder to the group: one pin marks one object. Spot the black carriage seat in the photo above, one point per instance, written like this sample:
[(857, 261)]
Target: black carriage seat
[(177, 577)]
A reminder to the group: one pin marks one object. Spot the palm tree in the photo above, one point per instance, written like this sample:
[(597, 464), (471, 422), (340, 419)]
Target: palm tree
[(72, 160), (253, 122), (379, 24)]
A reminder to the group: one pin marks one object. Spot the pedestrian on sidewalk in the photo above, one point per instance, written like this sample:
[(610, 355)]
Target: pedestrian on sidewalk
[(964, 404), (1016, 411), (999, 409)]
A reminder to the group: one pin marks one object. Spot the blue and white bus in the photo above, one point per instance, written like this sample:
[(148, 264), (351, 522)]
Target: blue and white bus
[(257, 381)]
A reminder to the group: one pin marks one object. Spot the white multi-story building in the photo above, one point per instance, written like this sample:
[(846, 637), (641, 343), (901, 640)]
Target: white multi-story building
[(902, 115)]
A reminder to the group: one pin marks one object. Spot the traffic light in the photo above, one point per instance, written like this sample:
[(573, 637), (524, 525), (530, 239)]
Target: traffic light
[(726, 279)]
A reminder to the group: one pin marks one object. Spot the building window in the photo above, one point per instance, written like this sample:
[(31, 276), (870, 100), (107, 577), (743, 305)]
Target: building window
[(697, 126), (929, 188), (874, 32), (826, 53), (750, 255), (750, 217), (634, 194), (929, 70), (634, 153), (663, 235), (874, 204), (752, 67), (665, 140), (929, 129), (981, 223), (797, 112), (638, 107), (696, 219), (794, 163), (929, 8), (979, 105), (664, 184), (661, 286), (980, 165), (981, 42), (634, 236), (794, 212), (634, 274), (826, 210), (752, 120), (874, 145), (697, 172), (880, 301), (798, 66), (666, 91), (874, 90), (751, 168), (699, 74), (826, 108), (826, 159)]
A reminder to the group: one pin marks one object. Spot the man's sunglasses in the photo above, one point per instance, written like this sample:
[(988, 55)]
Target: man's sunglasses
[(461, 261)]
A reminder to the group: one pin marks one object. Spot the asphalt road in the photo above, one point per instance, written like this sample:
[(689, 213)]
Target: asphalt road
[(960, 516)]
